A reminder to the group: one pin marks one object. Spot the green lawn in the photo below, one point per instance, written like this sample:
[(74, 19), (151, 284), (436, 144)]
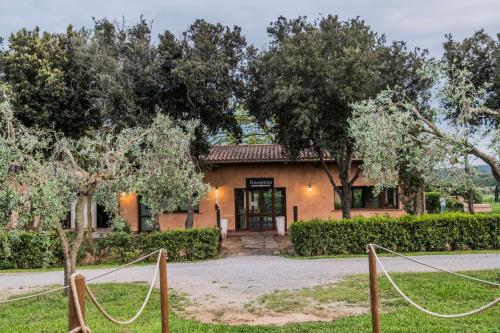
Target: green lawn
[(382, 253), (438, 291), (495, 207)]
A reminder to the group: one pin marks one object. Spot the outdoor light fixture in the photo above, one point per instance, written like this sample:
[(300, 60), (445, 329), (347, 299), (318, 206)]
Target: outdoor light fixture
[(216, 195), (309, 188)]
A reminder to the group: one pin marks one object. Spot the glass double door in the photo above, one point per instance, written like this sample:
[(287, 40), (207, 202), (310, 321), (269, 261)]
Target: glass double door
[(256, 209)]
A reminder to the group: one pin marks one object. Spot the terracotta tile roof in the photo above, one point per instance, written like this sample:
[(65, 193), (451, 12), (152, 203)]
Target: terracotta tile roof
[(246, 153)]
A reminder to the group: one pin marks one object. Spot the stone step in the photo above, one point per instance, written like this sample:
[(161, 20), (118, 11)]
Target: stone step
[(256, 244)]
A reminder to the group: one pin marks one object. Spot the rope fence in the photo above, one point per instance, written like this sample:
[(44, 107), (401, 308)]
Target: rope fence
[(79, 288), (375, 303), (89, 280)]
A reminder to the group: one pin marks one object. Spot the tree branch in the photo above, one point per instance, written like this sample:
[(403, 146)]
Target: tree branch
[(327, 170), (356, 175)]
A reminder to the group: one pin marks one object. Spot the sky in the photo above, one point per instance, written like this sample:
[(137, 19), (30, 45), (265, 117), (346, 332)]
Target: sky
[(421, 23)]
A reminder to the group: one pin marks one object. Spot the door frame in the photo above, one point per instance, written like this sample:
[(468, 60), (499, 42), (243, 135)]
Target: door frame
[(246, 194)]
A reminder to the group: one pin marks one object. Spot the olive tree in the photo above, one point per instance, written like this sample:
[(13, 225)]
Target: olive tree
[(394, 134), (153, 161)]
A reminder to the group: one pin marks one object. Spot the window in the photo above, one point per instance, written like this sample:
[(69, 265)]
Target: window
[(363, 197), (371, 200), (145, 223), (390, 198), (103, 220)]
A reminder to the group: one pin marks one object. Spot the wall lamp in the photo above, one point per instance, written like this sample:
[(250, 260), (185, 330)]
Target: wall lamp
[(309, 188)]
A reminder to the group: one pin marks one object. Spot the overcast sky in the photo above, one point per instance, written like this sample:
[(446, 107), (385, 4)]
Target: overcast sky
[(421, 23)]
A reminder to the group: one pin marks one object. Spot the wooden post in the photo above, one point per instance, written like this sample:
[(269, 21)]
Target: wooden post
[(375, 304), (164, 292), (80, 289)]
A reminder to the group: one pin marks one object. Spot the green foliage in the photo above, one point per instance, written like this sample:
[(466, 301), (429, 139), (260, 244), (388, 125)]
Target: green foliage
[(190, 244), (433, 232), (432, 204), (50, 79), (116, 247), (26, 249), (311, 73)]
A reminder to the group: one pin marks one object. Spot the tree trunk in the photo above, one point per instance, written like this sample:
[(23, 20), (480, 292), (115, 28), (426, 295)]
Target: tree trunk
[(344, 168), (66, 256), (470, 192), (470, 201), (70, 249), (346, 195), (90, 230), (190, 214), (420, 201)]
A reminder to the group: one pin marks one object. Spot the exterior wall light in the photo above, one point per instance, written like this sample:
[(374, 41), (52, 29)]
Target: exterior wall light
[(309, 188), (216, 195)]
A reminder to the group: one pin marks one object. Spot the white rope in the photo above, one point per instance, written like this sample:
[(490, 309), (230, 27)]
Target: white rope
[(435, 314), (91, 279), (131, 320), (437, 268), (124, 266), (35, 295)]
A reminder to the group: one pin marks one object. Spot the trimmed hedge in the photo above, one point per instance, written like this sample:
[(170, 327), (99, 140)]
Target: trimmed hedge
[(433, 232), (25, 249)]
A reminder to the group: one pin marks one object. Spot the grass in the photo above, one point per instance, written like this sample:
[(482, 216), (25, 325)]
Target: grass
[(437, 291), (495, 207), (385, 254)]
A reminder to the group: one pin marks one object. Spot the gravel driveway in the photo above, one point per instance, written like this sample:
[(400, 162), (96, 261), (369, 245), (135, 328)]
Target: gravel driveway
[(224, 290), (246, 277)]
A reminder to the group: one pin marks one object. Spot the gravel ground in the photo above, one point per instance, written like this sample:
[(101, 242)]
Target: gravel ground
[(242, 279)]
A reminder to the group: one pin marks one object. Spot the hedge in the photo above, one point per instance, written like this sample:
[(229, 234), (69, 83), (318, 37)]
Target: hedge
[(26, 249), (433, 232)]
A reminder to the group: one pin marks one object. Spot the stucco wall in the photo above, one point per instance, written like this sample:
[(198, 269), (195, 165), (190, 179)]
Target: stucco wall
[(295, 177)]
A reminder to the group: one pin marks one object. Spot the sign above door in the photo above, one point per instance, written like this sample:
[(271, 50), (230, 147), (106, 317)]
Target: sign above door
[(260, 183)]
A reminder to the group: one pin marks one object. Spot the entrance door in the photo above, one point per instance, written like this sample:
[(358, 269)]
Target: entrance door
[(256, 209)]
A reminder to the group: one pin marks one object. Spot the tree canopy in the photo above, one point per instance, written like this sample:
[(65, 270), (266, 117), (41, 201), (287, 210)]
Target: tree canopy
[(42, 173), (312, 72)]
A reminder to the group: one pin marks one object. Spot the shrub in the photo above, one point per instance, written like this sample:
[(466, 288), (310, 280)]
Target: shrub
[(432, 202), (181, 245), (115, 247), (432, 232), (21, 249), (27, 249)]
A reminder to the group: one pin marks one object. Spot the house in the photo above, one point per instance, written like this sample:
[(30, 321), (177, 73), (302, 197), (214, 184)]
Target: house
[(254, 184)]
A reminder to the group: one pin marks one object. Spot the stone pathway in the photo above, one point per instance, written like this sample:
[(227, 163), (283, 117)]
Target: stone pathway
[(256, 244)]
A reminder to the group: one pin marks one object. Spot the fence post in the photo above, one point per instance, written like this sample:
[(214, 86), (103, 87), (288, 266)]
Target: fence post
[(80, 289), (374, 300), (164, 292)]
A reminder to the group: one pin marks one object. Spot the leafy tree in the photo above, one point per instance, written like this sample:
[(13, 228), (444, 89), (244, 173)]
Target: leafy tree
[(153, 161), (51, 84), (393, 131), (201, 78), (480, 55), (123, 62), (309, 76), (195, 77)]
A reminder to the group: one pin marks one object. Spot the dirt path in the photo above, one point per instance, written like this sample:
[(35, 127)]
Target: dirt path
[(219, 289)]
